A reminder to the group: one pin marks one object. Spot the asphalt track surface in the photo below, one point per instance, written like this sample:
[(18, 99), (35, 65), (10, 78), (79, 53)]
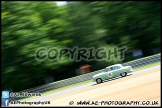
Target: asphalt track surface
[(57, 98)]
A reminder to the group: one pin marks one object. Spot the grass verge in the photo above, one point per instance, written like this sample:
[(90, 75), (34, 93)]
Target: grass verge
[(146, 66)]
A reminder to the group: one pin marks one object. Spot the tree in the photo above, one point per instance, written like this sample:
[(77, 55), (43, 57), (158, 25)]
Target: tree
[(24, 31)]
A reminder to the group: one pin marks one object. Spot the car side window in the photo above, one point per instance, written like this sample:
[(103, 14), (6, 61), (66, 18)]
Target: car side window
[(111, 68), (107, 69), (116, 67)]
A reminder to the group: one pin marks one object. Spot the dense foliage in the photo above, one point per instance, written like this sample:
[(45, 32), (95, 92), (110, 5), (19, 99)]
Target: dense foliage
[(27, 26)]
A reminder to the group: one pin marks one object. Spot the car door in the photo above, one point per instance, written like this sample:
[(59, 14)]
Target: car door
[(117, 71), (107, 70), (110, 73), (114, 71)]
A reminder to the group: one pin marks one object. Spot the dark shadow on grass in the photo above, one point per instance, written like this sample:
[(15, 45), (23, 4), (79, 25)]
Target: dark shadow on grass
[(112, 79)]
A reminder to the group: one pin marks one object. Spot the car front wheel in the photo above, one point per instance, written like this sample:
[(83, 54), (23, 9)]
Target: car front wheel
[(99, 80), (123, 74)]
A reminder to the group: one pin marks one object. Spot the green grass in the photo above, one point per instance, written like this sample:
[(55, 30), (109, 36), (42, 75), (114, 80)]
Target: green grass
[(146, 66), (60, 89), (143, 58), (86, 82)]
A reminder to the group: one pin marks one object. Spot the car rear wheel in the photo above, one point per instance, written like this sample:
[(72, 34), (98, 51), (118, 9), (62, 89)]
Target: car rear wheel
[(99, 80), (123, 74)]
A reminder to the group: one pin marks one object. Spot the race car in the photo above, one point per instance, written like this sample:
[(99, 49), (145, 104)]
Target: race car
[(112, 72)]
